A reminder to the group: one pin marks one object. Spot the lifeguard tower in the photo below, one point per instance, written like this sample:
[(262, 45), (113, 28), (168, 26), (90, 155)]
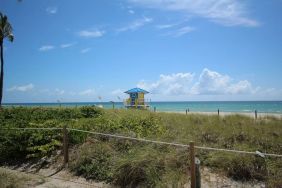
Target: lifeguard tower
[(136, 99)]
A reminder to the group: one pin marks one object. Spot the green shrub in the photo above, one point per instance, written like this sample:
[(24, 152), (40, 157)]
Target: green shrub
[(20, 145), (142, 126), (93, 161), (12, 146), (90, 112)]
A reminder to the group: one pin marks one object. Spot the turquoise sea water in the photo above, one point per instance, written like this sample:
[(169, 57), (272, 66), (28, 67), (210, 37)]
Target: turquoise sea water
[(195, 106)]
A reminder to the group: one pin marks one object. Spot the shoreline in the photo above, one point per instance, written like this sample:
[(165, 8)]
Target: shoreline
[(249, 114), (221, 113)]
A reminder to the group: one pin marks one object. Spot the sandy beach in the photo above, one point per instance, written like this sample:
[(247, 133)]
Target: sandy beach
[(249, 114)]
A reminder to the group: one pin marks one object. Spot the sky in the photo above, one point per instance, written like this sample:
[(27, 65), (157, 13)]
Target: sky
[(178, 50)]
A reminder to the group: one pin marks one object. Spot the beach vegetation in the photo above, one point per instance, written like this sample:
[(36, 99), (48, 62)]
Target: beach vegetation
[(130, 163)]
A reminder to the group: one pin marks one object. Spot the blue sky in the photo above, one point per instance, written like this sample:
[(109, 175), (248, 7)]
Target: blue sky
[(77, 51)]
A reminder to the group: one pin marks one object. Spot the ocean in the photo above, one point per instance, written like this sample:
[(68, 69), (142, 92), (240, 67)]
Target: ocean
[(193, 106)]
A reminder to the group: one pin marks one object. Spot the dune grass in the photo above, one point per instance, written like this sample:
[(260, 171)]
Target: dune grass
[(12, 179), (132, 163)]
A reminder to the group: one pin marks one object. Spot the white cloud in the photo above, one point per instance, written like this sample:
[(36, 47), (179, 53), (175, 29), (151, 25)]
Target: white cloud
[(136, 24), (181, 31), (131, 11), (224, 12), (174, 29), (85, 50), (51, 92), (211, 82), (184, 30), (46, 48), (166, 26), (22, 88), (87, 92), (91, 33), (51, 10), (173, 84), (208, 83), (67, 45), (241, 87)]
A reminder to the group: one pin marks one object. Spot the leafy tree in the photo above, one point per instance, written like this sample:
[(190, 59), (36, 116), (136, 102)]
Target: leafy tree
[(5, 32)]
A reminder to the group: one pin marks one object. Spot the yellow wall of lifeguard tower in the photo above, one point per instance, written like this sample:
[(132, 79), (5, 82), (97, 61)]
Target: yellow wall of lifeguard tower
[(141, 98)]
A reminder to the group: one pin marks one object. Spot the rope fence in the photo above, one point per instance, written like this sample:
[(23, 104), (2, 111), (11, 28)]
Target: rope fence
[(194, 162), (238, 151), (39, 128), (130, 138), (146, 140)]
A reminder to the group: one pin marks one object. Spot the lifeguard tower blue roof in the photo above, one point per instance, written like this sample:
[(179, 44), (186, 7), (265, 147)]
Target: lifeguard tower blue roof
[(136, 90)]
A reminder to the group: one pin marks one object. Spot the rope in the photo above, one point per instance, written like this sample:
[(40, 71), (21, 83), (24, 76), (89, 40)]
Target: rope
[(173, 144), (131, 138), (27, 128), (236, 151), (148, 141)]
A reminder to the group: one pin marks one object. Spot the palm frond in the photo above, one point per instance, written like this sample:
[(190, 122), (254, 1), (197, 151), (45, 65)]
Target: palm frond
[(5, 28), (10, 37), (4, 19)]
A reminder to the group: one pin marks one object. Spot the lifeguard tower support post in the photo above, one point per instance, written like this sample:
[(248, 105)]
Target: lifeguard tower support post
[(136, 99)]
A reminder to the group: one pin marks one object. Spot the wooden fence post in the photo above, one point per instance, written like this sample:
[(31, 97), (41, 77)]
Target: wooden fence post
[(218, 112), (186, 111), (256, 114), (198, 173), (65, 146), (192, 163)]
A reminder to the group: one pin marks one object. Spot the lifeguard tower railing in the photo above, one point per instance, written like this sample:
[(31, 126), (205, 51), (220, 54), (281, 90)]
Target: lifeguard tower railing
[(136, 103)]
